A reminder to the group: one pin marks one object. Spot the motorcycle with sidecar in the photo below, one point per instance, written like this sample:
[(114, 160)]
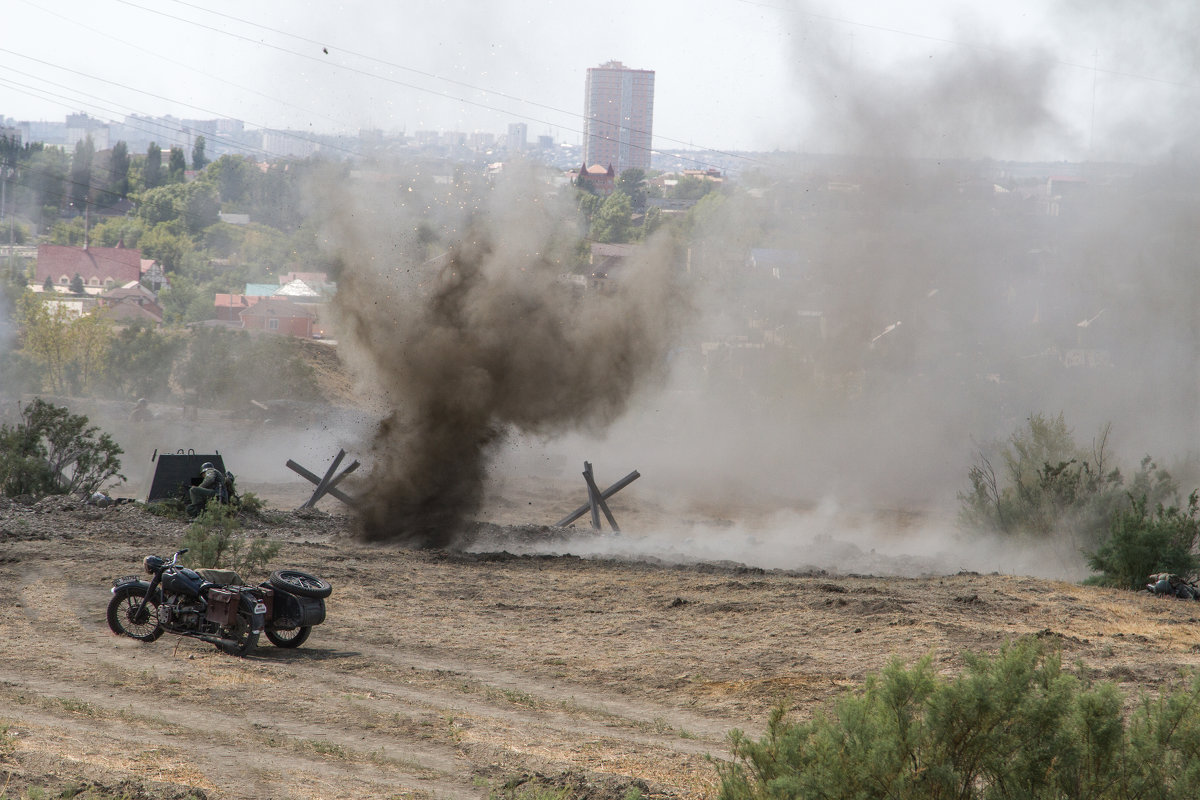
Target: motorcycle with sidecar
[(215, 606)]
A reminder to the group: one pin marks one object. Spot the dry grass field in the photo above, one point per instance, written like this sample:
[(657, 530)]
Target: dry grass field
[(453, 674)]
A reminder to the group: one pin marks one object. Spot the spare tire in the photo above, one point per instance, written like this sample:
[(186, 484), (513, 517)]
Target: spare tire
[(300, 583)]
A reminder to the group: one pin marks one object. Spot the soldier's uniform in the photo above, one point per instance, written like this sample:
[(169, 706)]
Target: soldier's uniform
[(211, 481)]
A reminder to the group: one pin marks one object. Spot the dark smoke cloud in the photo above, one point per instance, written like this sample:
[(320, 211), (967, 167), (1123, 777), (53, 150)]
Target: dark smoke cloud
[(488, 338)]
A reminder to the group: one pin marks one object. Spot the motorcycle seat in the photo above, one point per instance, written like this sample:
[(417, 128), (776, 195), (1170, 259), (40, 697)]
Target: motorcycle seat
[(221, 577)]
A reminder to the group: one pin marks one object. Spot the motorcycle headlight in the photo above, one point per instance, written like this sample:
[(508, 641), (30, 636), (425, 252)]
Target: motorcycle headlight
[(152, 564)]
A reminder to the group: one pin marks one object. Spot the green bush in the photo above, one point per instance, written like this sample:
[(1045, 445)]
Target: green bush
[(214, 539), (1010, 726), (1045, 479), (1048, 485), (52, 451), (169, 507), (249, 503), (1142, 543)]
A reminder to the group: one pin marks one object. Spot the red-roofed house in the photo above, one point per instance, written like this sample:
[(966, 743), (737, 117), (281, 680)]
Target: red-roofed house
[(101, 268), (278, 315), (602, 179), (230, 306), (132, 303)]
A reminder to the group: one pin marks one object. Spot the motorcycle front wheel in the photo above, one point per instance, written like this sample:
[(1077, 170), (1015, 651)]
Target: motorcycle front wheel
[(290, 637), (124, 619)]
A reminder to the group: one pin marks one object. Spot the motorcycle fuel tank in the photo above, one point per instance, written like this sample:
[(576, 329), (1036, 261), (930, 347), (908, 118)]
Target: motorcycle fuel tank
[(182, 581)]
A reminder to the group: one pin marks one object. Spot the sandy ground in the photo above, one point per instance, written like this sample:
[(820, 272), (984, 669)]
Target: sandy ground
[(448, 675)]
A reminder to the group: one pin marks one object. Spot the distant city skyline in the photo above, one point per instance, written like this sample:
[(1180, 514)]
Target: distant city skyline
[(1021, 80)]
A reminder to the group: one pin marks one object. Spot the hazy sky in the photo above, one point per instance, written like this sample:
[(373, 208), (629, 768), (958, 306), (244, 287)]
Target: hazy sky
[(731, 74)]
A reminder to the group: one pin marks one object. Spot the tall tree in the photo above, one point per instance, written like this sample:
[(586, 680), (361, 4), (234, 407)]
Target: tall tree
[(199, 160), (44, 177), (70, 353), (152, 175), (118, 170), (81, 173), (233, 179), (201, 206), (633, 183), (612, 222), (10, 150), (176, 166)]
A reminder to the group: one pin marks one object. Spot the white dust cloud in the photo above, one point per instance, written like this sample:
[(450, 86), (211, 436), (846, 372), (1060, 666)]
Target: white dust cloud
[(934, 299)]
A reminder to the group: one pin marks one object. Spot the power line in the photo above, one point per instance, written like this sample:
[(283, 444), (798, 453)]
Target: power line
[(292, 134), (207, 75), (72, 103), (435, 76), (353, 70), (397, 82)]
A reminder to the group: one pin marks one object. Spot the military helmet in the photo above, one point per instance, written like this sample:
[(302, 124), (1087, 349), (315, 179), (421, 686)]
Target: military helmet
[(207, 465)]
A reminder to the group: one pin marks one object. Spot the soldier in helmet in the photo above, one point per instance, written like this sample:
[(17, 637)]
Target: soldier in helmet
[(141, 412), (211, 483)]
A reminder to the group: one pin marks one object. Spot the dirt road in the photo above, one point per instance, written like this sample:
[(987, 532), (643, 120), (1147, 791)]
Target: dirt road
[(449, 675)]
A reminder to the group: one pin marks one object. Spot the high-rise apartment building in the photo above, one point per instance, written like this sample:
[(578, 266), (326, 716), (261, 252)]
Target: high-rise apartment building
[(518, 137), (619, 116)]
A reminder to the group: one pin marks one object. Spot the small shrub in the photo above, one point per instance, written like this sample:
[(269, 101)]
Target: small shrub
[(1142, 543), (169, 507), (52, 451), (250, 503), (214, 540), (1011, 725), (528, 791)]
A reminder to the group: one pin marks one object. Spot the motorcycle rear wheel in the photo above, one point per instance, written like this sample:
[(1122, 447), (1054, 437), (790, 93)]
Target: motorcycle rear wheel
[(146, 627), (289, 637)]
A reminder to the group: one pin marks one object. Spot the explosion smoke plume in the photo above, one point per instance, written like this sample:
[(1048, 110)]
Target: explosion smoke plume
[(490, 338)]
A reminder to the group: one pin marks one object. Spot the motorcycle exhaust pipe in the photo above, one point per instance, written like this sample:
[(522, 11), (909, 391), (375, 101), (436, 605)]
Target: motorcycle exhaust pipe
[(216, 640)]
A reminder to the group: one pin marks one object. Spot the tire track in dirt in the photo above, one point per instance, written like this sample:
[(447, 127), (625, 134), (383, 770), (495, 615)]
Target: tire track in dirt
[(563, 700), (86, 651), (338, 682), (230, 741), (572, 699)]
